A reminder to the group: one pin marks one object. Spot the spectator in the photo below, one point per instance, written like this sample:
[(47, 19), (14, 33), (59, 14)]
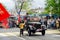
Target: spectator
[(48, 23), (52, 23), (57, 23)]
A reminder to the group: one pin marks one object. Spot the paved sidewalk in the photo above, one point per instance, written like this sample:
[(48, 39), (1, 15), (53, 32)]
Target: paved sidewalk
[(53, 31)]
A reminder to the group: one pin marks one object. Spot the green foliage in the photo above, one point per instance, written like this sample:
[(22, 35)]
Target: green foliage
[(53, 6), (25, 6), (30, 12)]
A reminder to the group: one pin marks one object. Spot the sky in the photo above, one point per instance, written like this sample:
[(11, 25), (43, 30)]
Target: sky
[(10, 3), (38, 3)]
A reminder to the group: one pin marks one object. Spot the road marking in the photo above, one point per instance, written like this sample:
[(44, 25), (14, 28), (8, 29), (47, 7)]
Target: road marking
[(2, 34), (11, 34), (55, 35), (20, 38)]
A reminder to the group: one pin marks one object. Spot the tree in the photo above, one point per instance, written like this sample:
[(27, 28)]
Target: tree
[(24, 5), (53, 6)]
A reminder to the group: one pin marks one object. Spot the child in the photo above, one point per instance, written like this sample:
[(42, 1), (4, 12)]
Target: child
[(21, 25)]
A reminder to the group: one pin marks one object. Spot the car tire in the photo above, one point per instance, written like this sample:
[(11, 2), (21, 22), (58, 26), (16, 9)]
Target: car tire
[(43, 32), (29, 32)]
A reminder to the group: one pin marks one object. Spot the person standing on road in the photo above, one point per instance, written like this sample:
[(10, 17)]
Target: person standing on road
[(21, 25)]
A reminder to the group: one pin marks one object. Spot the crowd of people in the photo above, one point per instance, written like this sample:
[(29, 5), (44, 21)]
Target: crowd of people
[(53, 23), (50, 23)]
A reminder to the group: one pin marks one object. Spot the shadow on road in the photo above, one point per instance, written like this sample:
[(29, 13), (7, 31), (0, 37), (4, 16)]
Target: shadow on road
[(32, 35)]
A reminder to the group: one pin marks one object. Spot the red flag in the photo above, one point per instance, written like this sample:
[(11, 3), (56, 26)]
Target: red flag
[(3, 13), (5, 23)]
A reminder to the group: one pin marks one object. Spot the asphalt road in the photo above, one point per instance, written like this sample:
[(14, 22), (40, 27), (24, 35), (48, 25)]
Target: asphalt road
[(13, 34)]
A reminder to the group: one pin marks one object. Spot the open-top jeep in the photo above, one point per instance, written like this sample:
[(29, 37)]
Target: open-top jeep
[(33, 27)]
